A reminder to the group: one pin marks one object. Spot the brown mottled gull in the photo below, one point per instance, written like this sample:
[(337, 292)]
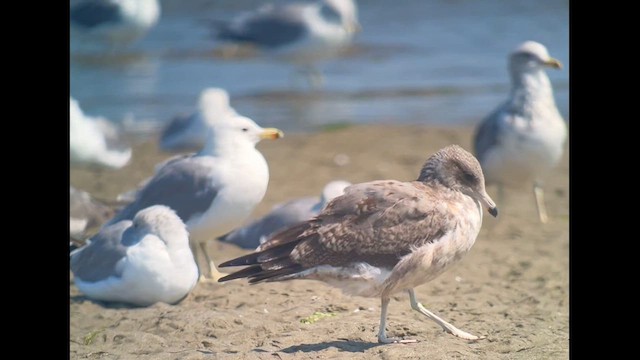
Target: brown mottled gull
[(384, 236)]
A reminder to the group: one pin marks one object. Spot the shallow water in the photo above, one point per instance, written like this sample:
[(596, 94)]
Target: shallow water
[(440, 62)]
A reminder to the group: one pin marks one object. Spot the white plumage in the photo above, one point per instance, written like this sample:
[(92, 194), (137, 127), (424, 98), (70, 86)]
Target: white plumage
[(214, 190), (94, 140), (523, 139), (139, 262)]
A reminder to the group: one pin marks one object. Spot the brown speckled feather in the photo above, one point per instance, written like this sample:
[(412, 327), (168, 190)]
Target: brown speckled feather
[(376, 222)]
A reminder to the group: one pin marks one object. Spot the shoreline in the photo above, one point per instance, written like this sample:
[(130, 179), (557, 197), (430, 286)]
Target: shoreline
[(512, 287)]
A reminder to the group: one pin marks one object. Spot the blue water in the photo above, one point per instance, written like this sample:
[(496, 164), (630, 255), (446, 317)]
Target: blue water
[(440, 62)]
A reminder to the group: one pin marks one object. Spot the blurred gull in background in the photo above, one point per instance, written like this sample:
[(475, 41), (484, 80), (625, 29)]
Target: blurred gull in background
[(214, 190), (138, 262), (302, 33), (94, 141), (112, 23), (284, 215), (523, 139), (86, 214), (188, 132)]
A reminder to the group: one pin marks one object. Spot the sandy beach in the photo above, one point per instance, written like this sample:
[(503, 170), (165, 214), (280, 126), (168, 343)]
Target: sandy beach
[(513, 287)]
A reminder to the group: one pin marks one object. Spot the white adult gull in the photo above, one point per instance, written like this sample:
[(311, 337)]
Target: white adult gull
[(112, 22), (214, 190), (302, 33), (523, 139), (94, 140), (384, 236), (139, 262), (283, 215), (185, 132)]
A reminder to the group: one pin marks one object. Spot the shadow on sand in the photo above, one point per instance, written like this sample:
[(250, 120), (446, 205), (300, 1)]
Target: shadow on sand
[(342, 345)]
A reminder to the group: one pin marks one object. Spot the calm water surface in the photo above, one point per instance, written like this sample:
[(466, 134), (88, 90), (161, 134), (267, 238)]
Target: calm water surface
[(439, 62)]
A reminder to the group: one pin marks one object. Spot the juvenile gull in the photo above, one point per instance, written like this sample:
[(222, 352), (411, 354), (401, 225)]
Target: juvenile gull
[(94, 140), (523, 139), (284, 215), (384, 236), (302, 33), (214, 190), (138, 262), (112, 22), (186, 132)]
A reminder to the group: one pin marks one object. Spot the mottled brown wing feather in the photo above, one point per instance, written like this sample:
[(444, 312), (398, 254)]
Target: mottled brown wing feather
[(376, 222), (277, 247)]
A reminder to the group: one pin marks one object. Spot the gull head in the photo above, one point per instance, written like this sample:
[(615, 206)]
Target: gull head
[(161, 221), (239, 129), (531, 56), (459, 170)]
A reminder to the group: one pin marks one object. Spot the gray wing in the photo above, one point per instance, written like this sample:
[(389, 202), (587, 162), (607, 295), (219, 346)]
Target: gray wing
[(131, 195), (93, 13), (184, 185), (287, 214), (376, 222), (280, 25), (97, 260), (488, 132)]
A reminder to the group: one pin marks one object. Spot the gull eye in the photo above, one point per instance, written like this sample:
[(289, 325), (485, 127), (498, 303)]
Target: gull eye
[(469, 177), (245, 129)]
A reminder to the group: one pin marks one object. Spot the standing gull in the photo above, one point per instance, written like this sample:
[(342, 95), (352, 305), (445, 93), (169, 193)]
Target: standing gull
[(138, 262), (284, 215), (113, 22), (190, 131), (94, 140), (302, 33), (384, 236), (214, 190), (523, 139)]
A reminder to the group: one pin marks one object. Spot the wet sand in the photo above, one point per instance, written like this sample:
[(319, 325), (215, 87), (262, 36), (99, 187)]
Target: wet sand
[(513, 287)]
